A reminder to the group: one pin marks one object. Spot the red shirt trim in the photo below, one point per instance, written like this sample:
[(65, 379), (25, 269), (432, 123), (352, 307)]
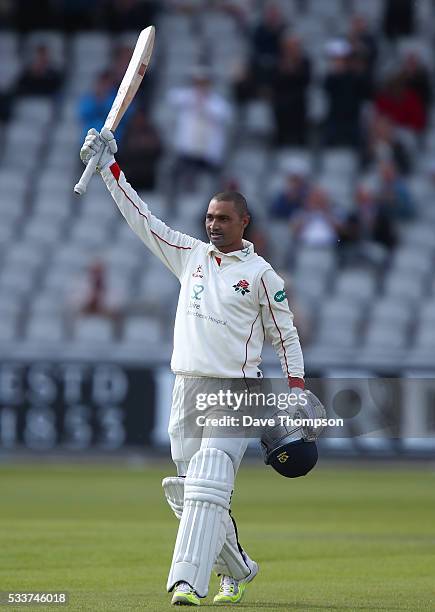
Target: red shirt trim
[(246, 345), (116, 172), (276, 325)]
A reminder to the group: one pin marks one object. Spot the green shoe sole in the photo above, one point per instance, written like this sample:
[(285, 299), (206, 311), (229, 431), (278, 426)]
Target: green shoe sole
[(185, 599), (234, 599), (231, 599)]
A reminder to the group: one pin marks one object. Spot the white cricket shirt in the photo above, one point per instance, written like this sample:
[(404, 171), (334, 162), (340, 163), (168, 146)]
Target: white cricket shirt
[(228, 304)]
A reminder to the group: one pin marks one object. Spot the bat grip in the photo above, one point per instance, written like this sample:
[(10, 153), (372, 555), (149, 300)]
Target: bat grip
[(90, 169)]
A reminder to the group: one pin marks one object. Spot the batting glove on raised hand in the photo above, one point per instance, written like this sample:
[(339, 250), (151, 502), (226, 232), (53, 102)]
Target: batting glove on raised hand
[(102, 144)]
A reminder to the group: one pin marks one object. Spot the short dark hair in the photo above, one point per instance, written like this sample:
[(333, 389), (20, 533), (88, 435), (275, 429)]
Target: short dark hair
[(239, 201)]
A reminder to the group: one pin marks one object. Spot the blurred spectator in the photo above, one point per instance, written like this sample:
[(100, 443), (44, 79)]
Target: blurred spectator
[(417, 79), (253, 79), (129, 15), (266, 42), (94, 106), (365, 230), (6, 101), (393, 197), (363, 42), (401, 104), (202, 118), (347, 88), (93, 295), (289, 87), (316, 225), (398, 19), (5, 106), (140, 151), (39, 77), (382, 143), (244, 84), (291, 199)]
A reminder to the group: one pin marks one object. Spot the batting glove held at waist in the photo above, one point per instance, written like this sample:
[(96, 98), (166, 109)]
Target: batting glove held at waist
[(102, 144), (309, 406)]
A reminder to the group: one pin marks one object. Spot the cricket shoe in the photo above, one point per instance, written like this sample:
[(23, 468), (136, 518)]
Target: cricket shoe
[(231, 591), (184, 595)]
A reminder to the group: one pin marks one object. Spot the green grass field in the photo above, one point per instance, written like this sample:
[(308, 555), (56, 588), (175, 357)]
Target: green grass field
[(340, 539)]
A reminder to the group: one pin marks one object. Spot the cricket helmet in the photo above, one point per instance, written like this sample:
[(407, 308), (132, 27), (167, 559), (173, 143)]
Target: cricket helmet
[(292, 459), (290, 448)]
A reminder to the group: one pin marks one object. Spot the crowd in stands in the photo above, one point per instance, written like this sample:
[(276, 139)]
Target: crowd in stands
[(376, 117), (364, 112), (374, 215)]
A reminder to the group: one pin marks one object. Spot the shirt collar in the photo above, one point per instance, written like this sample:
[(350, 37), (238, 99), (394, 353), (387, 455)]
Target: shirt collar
[(242, 254)]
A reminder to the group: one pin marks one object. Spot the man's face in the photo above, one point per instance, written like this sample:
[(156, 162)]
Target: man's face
[(224, 225)]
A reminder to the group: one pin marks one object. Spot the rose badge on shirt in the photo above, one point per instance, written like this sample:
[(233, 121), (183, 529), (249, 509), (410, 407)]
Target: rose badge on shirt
[(242, 287)]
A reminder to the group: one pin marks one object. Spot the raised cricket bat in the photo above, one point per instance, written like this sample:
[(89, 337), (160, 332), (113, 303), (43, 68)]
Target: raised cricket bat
[(126, 92)]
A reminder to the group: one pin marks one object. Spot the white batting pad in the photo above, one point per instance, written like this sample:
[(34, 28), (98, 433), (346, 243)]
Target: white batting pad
[(173, 487), (202, 532), (230, 561)]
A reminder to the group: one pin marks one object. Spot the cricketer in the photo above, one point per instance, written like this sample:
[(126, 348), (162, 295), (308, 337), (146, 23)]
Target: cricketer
[(230, 300)]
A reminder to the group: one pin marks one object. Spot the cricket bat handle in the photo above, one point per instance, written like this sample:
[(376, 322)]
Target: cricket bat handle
[(90, 169)]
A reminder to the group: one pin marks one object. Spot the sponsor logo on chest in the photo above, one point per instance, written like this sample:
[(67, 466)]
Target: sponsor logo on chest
[(198, 272)]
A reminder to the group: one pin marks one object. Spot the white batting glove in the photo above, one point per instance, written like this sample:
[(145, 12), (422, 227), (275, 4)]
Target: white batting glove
[(102, 144)]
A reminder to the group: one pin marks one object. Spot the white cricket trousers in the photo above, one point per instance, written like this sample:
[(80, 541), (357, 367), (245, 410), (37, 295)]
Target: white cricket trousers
[(182, 425)]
